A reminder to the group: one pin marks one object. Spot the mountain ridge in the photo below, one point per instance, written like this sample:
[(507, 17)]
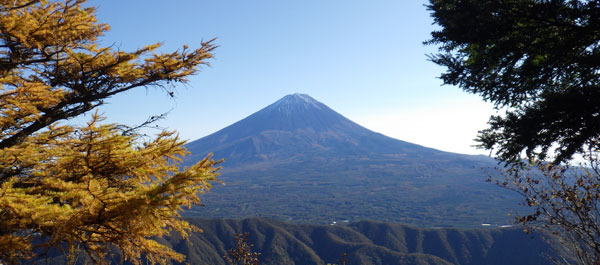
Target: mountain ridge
[(370, 243), (364, 242)]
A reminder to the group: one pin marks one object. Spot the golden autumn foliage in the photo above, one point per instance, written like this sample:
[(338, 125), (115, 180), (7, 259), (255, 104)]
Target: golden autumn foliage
[(93, 187)]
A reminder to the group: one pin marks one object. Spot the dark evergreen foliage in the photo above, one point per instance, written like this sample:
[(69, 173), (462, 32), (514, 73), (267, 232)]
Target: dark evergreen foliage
[(538, 59)]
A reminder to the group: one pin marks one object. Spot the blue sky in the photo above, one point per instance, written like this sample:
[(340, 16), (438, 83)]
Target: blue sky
[(364, 59)]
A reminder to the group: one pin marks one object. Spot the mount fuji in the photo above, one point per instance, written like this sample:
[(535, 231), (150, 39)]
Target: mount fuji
[(299, 160)]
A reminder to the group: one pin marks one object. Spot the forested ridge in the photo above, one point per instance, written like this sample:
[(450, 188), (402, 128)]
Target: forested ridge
[(365, 243)]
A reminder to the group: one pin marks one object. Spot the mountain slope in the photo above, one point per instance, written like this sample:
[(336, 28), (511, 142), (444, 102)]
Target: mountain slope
[(366, 243), (299, 160)]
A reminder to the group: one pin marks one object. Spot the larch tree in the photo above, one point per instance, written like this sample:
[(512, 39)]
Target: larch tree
[(539, 62), (242, 253), (94, 187)]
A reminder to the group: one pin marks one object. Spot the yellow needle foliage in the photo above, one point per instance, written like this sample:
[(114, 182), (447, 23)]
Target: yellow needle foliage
[(96, 187)]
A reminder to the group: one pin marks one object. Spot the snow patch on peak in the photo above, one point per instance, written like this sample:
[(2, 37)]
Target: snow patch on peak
[(297, 100), (304, 97)]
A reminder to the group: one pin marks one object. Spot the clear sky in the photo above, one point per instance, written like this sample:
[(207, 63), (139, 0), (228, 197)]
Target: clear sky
[(364, 59)]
